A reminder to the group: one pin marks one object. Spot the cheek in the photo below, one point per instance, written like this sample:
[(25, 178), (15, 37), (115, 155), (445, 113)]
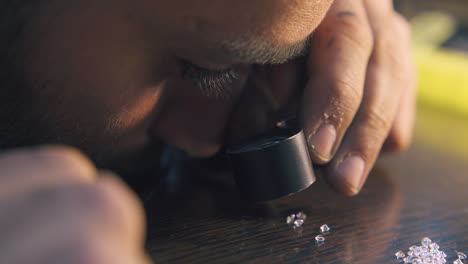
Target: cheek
[(136, 114), (97, 77)]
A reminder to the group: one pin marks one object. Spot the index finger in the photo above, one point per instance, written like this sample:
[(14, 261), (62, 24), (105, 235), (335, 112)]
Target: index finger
[(340, 53)]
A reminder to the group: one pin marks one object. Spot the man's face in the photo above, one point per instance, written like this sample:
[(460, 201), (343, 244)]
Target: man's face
[(108, 76)]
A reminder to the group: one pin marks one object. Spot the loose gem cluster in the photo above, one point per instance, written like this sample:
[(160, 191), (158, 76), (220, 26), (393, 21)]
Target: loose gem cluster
[(297, 220), (427, 253)]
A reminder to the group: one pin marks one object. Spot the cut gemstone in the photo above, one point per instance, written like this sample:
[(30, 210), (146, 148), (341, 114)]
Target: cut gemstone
[(427, 253), (399, 255), (290, 219), (458, 261), (324, 228), (426, 241), (461, 255), (319, 238), (409, 259), (298, 223), (301, 215), (296, 220), (434, 246)]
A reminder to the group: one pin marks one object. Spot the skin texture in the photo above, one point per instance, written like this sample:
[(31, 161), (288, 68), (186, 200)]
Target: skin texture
[(69, 212), (106, 77)]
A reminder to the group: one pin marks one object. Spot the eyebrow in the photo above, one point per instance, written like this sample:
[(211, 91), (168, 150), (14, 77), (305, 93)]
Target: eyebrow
[(253, 51)]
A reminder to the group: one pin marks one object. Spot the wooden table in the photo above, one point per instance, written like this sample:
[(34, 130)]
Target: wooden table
[(423, 192)]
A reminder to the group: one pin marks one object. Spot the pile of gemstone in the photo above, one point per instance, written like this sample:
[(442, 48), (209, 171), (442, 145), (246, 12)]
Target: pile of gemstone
[(428, 252), (296, 220)]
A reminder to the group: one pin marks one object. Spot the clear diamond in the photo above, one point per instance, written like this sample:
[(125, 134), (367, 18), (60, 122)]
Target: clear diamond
[(399, 255), (324, 228), (298, 223), (319, 238), (290, 219), (409, 259), (426, 241), (461, 255), (434, 246), (301, 215), (296, 220), (458, 261)]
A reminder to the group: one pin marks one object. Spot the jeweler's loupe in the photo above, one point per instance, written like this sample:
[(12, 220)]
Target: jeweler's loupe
[(272, 165)]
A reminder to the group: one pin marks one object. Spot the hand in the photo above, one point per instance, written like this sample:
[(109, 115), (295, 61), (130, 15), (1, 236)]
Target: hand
[(56, 208), (361, 90)]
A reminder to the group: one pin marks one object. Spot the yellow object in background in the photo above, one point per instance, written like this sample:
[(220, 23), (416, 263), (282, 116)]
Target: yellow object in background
[(442, 122), (442, 73)]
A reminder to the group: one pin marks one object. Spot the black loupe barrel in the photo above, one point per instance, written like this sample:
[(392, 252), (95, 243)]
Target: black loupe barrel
[(273, 165)]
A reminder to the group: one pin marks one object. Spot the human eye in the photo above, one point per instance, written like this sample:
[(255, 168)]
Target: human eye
[(211, 82)]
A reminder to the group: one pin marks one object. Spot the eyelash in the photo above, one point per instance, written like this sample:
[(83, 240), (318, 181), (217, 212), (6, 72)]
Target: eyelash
[(211, 82)]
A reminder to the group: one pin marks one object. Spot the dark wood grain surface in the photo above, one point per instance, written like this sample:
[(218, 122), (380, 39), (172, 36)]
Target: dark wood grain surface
[(423, 192)]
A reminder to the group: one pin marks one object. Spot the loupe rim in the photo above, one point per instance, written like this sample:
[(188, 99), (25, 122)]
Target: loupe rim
[(287, 135)]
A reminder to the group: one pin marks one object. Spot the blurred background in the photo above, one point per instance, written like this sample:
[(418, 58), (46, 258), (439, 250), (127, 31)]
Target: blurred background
[(440, 43)]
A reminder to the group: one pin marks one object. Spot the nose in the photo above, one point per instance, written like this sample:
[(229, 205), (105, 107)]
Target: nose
[(193, 122)]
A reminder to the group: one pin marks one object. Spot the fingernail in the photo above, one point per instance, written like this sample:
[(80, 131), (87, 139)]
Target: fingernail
[(349, 174), (323, 140)]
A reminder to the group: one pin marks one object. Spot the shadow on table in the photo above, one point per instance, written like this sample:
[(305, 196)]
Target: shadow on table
[(208, 222)]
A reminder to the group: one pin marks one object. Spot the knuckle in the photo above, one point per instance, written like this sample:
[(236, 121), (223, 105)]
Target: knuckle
[(387, 52), (353, 30), (377, 122), (347, 93), (357, 32), (391, 41)]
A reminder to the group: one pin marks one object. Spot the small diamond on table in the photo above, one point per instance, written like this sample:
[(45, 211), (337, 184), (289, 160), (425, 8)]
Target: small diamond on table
[(461, 255), (408, 260), (319, 238), (298, 223), (324, 228), (426, 242), (296, 220), (301, 216), (290, 219), (434, 246), (399, 255)]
